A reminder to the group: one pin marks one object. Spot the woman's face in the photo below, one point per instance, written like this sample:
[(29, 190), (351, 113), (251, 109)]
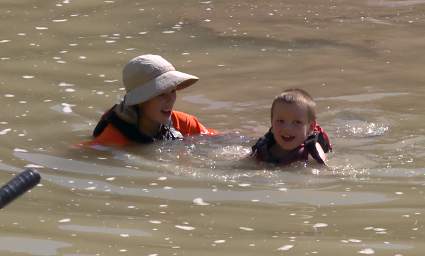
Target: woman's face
[(157, 110)]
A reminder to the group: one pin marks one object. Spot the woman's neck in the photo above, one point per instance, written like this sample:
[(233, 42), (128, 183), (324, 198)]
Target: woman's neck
[(149, 127)]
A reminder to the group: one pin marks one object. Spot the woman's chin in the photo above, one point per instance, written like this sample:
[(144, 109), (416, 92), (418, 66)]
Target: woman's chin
[(164, 120)]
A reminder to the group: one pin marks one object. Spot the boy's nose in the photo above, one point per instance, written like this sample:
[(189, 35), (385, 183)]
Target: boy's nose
[(286, 127)]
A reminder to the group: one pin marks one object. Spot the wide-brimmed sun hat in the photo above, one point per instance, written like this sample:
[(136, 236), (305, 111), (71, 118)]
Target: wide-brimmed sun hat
[(147, 76)]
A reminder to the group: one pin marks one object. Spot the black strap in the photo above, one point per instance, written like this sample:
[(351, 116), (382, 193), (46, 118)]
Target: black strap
[(311, 147), (323, 140), (101, 125)]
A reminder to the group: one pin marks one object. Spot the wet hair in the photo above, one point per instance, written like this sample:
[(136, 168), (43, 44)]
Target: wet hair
[(299, 97)]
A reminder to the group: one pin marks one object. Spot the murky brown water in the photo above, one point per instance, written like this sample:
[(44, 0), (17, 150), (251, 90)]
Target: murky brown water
[(363, 61)]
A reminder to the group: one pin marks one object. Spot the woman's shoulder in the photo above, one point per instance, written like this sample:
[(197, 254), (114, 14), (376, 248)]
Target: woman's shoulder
[(189, 124), (109, 136), (182, 115)]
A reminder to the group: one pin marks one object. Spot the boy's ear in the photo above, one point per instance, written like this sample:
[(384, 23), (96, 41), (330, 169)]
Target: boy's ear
[(312, 125)]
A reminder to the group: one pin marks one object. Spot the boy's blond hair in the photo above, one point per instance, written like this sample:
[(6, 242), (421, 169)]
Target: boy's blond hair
[(299, 97)]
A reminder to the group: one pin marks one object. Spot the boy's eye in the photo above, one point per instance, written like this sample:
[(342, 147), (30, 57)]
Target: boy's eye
[(298, 122), (280, 121)]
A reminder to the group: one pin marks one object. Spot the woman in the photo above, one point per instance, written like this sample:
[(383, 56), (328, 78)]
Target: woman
[(146, 114)]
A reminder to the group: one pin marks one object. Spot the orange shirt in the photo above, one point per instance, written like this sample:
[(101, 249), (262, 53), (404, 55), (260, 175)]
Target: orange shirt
[(184, 123), (189, 125)]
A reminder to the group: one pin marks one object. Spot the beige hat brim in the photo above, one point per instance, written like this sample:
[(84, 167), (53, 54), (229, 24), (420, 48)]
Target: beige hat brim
[(159, 85)]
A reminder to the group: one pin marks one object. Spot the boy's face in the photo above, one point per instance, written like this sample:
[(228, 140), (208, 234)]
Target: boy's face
[(290, 125), (158, 109)]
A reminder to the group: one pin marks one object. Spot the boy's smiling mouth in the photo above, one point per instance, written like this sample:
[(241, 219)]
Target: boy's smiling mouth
[(287, 138)]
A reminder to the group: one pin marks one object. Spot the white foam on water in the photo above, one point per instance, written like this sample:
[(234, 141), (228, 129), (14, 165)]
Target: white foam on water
[(66, 108), (367, 251), (65, 84), (320, 225), (285, 247), (20, 150), (34, 166), (379, 229), (246, 229), (187, 228), (355, 240), (5, 131), (200, 201)]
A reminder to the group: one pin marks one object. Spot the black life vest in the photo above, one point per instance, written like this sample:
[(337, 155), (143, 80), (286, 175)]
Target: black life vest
[(131, 131), (261, 149)]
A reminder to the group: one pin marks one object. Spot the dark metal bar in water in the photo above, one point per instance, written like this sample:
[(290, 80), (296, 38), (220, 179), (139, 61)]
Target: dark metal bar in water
[(17, 186)]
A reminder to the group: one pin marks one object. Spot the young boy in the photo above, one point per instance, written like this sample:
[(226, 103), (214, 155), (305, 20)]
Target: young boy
[(146, 113), (294, 134)]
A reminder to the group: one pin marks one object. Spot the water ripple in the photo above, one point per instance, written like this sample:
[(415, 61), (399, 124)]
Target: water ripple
[(361, 129), (31, 246)]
